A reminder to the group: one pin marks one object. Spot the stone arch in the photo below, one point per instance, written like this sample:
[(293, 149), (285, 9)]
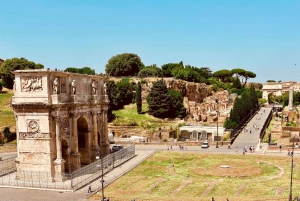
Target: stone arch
[(203, 135), (83, 140)]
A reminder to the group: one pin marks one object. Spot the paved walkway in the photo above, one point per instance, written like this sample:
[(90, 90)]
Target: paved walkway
[(252, 135), (119, 171)]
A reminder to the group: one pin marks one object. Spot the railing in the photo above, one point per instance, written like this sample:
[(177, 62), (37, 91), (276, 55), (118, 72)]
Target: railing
[(265, 126), (92, 171), (7, 166), (37, 179), (236, 131), (107, 182)]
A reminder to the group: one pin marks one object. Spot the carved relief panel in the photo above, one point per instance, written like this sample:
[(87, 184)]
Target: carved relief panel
[(65, 128), (33, 126), (31, 84)]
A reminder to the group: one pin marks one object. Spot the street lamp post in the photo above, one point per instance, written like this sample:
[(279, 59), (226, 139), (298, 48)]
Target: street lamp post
[(217, 101), (292, 167), (99, 155)]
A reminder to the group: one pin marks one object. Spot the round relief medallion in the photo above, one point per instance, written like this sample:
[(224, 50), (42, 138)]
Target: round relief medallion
[(33, 126)]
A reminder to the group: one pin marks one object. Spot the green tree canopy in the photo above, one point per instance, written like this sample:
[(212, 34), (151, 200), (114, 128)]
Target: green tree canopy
[(167, 68), (10, 65), (139, 98), (222, 74), (188, 74), (126, 64), (164, 103), (237, 83), (238, 72), (84, 70), (247, 75), (159, 100), (150, 71), (177, 108), (271, 81)]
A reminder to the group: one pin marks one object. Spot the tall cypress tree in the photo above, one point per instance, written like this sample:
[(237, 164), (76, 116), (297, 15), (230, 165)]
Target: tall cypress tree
[(158, 100), (253, 97), (139, 98)]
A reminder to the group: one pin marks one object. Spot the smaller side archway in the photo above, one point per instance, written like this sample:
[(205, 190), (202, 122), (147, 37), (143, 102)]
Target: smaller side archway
[(84, 140)]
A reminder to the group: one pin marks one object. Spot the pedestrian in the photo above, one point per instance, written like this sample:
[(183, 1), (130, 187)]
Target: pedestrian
[(212, 199), (289, 153), (236, 150), (229, 146), (280, 148), (292, 153), (107, 199), (250, 131), (227, 199), (89, 188), (171, 147)]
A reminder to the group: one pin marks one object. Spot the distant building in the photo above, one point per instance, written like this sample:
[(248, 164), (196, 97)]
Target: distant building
[(279, 88), (201, 133)]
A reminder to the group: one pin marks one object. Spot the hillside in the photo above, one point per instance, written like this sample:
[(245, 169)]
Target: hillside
[(6, 112)]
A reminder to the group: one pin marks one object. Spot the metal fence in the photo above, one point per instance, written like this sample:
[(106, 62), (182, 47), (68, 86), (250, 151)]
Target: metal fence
[(93, 171), (7, 166), (36, 179), (265, 126)]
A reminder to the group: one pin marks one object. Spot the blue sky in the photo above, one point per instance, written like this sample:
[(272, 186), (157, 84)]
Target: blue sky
[(260, 36)]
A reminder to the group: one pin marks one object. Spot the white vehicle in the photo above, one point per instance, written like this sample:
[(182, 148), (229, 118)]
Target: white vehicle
[(110, 137), (205, 144), (138, 139)]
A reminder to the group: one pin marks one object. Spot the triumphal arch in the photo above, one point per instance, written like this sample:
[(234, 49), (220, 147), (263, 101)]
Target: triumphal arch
[(61, 120)]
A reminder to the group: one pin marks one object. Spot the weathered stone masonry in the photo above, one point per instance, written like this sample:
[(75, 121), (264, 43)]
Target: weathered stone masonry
[(61, 118)]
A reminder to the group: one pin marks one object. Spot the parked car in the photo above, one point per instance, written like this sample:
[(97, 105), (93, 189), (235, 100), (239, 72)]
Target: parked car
[(116, 147), (205, 144)]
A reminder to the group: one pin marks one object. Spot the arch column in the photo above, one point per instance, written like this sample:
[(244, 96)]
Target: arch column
[(95, 133), (59, 163), (75, 157), (104, 134)]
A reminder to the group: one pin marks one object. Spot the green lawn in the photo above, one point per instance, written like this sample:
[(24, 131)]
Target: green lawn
[(249, 178), (6, 112)]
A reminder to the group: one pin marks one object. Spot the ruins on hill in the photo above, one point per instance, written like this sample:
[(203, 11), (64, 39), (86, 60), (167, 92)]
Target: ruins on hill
[(61, 120)]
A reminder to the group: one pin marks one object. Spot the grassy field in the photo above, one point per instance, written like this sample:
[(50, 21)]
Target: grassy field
[(6, 113), (129, 117), (170, 176)]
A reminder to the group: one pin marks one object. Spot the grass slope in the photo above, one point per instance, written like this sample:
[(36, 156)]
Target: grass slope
[(6, 112), (129, 117)]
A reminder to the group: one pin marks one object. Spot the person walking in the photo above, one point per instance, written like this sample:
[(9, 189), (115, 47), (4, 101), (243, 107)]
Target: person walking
[(212, 199), (89, 188), (280, 148), (289, 153)]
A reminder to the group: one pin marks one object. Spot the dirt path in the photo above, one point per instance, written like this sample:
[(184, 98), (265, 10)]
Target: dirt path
[(209, 188), (182, 186), (160, 180)]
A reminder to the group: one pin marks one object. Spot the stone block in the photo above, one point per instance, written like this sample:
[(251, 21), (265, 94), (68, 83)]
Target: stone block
[(34, 146)]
